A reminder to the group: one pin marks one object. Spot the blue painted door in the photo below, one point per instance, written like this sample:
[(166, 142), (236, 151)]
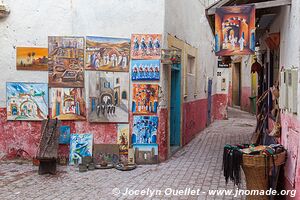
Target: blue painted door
[(209, 93)]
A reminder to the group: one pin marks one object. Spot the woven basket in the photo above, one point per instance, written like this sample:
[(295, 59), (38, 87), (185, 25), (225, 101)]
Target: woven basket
[(254, 167)]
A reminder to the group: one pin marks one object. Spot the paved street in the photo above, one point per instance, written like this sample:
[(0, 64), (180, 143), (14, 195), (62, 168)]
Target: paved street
[(196, 166)]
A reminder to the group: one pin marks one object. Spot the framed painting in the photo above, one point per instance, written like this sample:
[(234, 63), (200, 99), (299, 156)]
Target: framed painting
[(235, 30), (65, 134), (81, 145), (107, 54), (66, 61), (145, 70), (145, 98), (146, 153), (123, 138), (108, 97), (146, 46), (26, 101), (144, 129), (32, 58), (68, 103)]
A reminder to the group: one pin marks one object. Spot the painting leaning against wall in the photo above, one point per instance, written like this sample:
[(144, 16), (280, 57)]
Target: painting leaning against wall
[(81, 145), (68, 103), (123, 138), (145, 98), (32, 58), (27, 101)]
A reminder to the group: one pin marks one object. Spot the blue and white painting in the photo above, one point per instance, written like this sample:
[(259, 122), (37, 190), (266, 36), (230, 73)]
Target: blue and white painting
[(144, 130), (64, 137), (81, 145), (27, 101), (145, 70)]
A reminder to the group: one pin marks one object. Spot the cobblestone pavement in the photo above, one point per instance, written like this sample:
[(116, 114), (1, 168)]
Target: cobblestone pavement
[(196, 166)]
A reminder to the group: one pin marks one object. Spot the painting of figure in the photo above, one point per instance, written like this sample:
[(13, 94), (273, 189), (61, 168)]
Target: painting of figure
[(146, 46), (108, 97), (65, 134), (144, 129), (146, 153), (145, 98), (32, 58), (145, 70), (235, 31), (66, 61), (123, 138), (68, 103), (81, 145), (26, 101), (107, 54)]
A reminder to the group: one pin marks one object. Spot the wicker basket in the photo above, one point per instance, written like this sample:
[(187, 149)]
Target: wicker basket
[(254, 167)]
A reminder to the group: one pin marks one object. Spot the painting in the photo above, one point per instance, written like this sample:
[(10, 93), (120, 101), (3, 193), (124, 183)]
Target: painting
[(171, 56), (32, 58), (145, 70), (123, 138), (145, 98), (106, 152), (68, 103), (26, 101), (146, 46), (107, 54), (144, 129), (64, 137), (81, 145), (235, 30), (146, 153), (66, 61), (108, 97)]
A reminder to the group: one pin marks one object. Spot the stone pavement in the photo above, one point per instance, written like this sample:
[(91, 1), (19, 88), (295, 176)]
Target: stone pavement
[(197, 166)]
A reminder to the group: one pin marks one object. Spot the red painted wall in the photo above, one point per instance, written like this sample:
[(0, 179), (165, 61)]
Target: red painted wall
[(245, 101), (219, 106)]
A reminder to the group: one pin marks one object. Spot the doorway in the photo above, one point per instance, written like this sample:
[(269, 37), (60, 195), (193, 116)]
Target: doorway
[(236, 84)]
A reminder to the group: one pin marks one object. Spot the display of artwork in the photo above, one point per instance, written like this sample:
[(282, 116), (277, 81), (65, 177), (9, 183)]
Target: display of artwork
[(106, 152), (123, 138), (144, 129), (26, 101), (146, 153), (65, 134), (145, 98), (81, 145), (32, 58), (108, 54), (145, 70), (235, 30), (66, 61), (146, 46), (108, 96), (68, 103)]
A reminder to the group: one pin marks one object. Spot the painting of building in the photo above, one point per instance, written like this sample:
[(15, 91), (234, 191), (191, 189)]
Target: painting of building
[(146, 153), (123, 138), (32, 58), (66, 61), (146, 46), (108, 54), (108, 96), (81, 145), (68, 103), (26, 101), (145, 98), (65, 134), (144, 129), (235, 30), (145, 70)]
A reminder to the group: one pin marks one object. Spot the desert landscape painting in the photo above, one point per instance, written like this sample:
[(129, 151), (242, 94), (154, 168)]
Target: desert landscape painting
[(32, 58)]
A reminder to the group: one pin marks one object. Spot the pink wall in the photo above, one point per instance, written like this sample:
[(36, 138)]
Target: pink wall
[(219, 106), (245, 101)]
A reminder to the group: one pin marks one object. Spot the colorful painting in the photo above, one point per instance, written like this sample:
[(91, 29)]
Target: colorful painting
[(68, 103), (144, 129), (106, 152), (171, 56), (123, 138), (65, 134), (145, 98), (146, 153), (32, 58), (27, 101), (146, 46), (66, 61), (108, 96), (235, 30), (107, 54), (81, 145), (145, 70)]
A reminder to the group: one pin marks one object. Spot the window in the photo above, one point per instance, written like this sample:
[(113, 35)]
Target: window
[(124, 95), (191, 65)]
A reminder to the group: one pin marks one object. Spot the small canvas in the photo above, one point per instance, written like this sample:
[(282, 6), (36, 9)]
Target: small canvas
[(123, 138), (145, 98), (145, 70), (146, 153), (144, 129), (64, 137), (81, 145), (32, 58), (106, 152), (26, 101), (146, 46)]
